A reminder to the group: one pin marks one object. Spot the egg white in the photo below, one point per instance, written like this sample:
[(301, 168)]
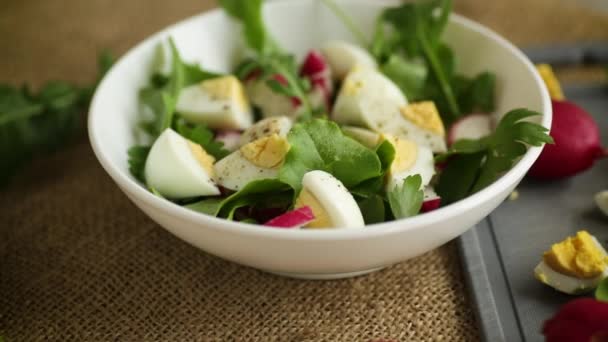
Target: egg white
[(367, 138), (423, 166), (565, 283), (231, 110), (270, 102), (234, 172), (335, 199), (342, 57), (280, 125), (399, 126), (367, 98), (173, 170)]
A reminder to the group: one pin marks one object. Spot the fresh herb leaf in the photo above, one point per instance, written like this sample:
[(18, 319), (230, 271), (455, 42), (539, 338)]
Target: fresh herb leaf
[(137, 161), (36, 123), (372, 209), (203, 136), (252, 193), (408, 75), (406, 199), (249, 13), (161, 96), (601, 292), (320, 145), (475, 164), (208, 206), (368, 188), (476, 94)]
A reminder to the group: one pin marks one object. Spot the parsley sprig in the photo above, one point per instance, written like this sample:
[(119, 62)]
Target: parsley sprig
[(474, 164)]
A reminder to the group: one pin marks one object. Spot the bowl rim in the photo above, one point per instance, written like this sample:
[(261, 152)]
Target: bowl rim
[(135, 189)]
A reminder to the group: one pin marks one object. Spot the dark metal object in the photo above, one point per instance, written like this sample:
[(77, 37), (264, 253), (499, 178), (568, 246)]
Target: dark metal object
[(593, 53)]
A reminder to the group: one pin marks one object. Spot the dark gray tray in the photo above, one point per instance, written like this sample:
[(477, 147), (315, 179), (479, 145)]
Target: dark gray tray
[(499, 255)]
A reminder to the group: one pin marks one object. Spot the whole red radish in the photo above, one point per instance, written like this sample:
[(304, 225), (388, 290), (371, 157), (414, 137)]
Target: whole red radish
[(577, 143)]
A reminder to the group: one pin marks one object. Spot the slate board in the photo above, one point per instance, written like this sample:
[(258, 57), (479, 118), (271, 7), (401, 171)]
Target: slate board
[(500, 253)]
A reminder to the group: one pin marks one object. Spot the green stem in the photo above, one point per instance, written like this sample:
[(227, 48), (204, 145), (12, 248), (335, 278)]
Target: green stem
[(438, 71), (347, 21)]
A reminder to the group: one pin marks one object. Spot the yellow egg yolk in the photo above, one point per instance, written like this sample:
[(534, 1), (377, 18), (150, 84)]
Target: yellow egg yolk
[(322, 219), (226, 88), (204, 159), (424, 115), (577, 256), (268, 152), (553, 86), (406, 153)]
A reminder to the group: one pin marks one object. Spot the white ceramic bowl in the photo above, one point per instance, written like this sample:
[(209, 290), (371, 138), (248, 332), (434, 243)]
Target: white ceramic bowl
[(215, 41)]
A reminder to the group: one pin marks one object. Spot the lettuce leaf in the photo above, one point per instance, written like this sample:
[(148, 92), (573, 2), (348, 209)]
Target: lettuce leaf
[(319, 144)]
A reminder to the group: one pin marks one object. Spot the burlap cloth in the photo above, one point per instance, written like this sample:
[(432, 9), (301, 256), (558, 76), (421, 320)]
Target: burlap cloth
[(78, 262)]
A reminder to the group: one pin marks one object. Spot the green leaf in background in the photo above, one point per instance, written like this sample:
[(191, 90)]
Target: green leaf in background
[(406, 199), (477, 94), (601, 292), (459, 176), (137, 161), (203, 136), (37, 123), (372, 209), (320, 145), (249, 13), (408, 75)]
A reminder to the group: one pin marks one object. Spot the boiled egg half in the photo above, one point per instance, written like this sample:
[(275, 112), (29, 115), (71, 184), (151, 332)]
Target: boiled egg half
[(342, 57), (575, 265), (280, 125), (410, 159), (220, 103), (178, 168), (331, 203), (259, 159)]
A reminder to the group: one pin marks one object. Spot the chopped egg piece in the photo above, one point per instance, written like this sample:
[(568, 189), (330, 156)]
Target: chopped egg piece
[(601, 200), (259, 159), (553, 86), (271, 103), (342, 57), (367, 99), (280, 125), (220, 103), (179, 168), (410, 159), (575, 265), (331, 203), (367, 138)]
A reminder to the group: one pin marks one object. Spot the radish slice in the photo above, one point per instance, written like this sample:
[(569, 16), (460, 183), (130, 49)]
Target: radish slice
[(316, 69), (292, 219), (431, 201), (230, 139), (472, 126), (430, 205), (577, 144)]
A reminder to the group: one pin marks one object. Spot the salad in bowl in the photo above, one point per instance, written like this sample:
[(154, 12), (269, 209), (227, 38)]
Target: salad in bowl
[(351, 135)]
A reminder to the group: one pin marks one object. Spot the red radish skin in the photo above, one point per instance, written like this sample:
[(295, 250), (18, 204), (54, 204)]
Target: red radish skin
[(472, 126), (316, 69), (431, 204), (577, 144), (292, 219)]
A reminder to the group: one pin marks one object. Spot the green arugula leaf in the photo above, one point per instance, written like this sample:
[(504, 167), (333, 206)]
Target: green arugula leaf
[(409, 76), (476, 94), (249, 13), (161, 96), (203, 136), (137, 161), (406, 199), (475, 164), (372, 209), (36, 123), (208, 206), (373, 186), (601, 292), (320, 145)]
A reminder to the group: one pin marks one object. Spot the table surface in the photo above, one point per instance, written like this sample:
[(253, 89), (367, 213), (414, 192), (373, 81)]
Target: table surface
[(79, 262)]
